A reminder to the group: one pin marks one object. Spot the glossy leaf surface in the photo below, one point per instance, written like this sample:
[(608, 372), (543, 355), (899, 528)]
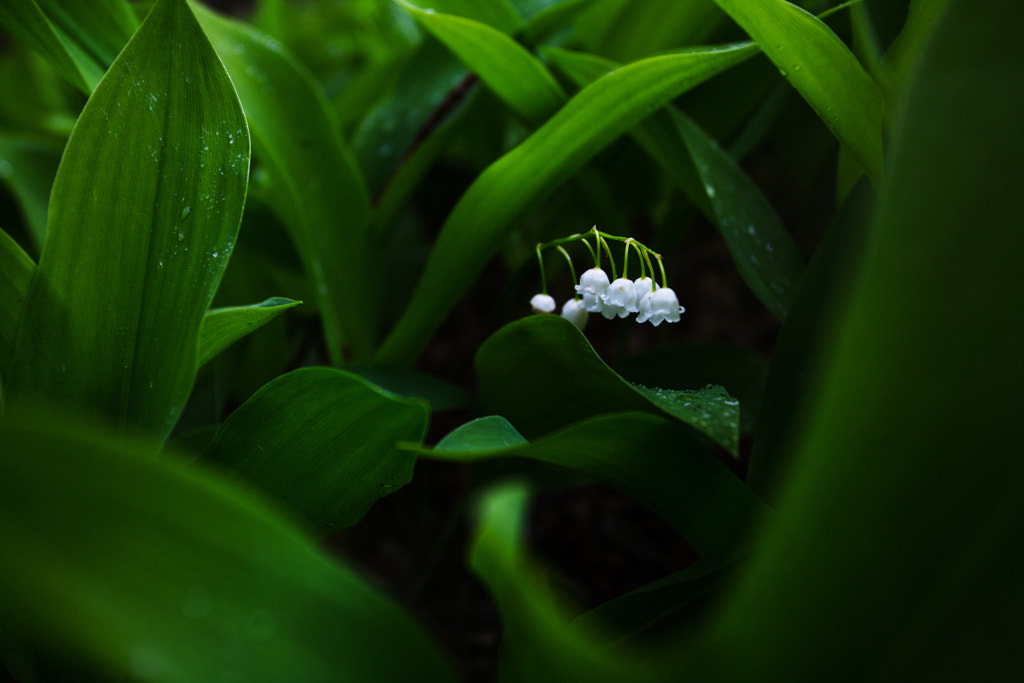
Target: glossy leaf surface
[(542, 373), (145, 211), (314, 183), (486, 213), (822, 69), (144, 568), (321, 441), (222, 327)]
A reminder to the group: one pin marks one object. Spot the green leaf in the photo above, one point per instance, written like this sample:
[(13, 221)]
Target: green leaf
[(651, 459), (16, 271), (507, 68), (315, 186), (222, 327), (896, 551), (129, 566), (537, 643), (27, 21), (144, 213), (321, 441), (518, 181), (542, 373), (762, 250), (28, 166), (822, 69)]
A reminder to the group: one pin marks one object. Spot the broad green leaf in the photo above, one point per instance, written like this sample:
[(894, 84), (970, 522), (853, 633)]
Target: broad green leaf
[(507, 68), (28, 166), (822, 69), (222, 327), (322, 442), (315, 186), (16, 271), (100, 28), (498, 14), (537, 643), (541, 373), (518, 181), (129, 566), (762, 250), (144, 213), (26, 20), (651, 459), (896, 552)]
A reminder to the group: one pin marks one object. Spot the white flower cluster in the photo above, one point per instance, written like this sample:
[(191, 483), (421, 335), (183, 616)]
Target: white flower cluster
[(597, 294), (623, 297)]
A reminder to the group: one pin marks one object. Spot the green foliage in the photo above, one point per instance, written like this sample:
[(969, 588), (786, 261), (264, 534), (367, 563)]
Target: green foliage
[(833, 447)]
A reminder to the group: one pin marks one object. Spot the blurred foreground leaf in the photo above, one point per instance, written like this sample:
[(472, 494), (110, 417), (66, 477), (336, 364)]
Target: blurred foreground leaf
[(130, 566), (16, 271), (897, 553)]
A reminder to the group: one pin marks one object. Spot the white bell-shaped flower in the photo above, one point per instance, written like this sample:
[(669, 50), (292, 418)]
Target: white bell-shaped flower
[(593, 285), (575, 312), (542, 303), (642, 286), (619, 299), (660, 305)]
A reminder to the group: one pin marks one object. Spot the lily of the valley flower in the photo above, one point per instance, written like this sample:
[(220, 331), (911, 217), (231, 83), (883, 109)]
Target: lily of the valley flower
[(593, 286), (542, 303), (619, 299), (642, 286), (658, 306), (575, 312)]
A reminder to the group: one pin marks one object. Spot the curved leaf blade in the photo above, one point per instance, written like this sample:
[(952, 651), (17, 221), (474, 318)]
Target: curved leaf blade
[(144, 214), (322, 442), (315, 186), (222, 327), (822, 69), (649, 458), (542, 373), (145, 568), (100, 28), (485, 214), (761, 248), (507, 68)]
